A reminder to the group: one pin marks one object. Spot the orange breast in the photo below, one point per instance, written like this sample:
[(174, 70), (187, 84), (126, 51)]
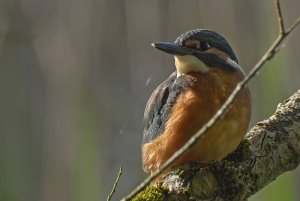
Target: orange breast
[(192, 110)]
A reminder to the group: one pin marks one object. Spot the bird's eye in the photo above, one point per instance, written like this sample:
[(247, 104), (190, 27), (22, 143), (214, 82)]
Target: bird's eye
[(204, 46)]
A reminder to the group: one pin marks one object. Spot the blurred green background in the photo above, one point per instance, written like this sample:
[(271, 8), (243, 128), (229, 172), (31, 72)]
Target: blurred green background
[(75, 77)]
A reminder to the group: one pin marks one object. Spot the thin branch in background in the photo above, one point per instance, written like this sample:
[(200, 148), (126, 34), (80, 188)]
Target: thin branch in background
[(274, 48), (293, 26), (280, 18), (113, 190)]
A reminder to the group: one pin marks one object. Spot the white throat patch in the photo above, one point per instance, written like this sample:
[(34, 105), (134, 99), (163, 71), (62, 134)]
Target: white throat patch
[(189, 63)]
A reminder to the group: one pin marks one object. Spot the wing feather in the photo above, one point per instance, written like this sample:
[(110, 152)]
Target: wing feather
[(159, 106)]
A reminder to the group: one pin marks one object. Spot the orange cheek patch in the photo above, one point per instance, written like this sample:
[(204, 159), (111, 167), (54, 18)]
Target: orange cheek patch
[(219, 53), (213, 50), (191, 43)]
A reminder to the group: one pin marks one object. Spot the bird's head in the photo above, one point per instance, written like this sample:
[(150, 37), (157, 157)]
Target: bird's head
[(200, 50)]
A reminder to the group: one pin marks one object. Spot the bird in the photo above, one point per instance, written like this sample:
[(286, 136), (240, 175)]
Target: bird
[(207, 71)]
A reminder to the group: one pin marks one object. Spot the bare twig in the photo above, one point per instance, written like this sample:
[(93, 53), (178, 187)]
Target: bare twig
[(293, 26), (274, 48), (280, 18), (113, 190)]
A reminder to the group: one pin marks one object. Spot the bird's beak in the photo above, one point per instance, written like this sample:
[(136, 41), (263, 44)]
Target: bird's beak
[(173, 48)]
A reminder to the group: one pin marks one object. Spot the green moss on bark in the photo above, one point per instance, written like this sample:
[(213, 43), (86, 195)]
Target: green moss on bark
[(152, 193)]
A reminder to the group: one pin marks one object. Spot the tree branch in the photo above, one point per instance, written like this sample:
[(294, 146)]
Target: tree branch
[(270, 148), (280, 18), (113, 190), (274, 48)]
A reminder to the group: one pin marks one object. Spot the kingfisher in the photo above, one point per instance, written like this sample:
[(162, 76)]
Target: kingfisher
[(207, 71)]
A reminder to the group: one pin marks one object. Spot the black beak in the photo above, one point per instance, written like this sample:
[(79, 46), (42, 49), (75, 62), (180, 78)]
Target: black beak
[(173, 48)]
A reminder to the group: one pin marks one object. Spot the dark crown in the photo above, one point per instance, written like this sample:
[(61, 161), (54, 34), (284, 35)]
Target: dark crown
[(212, 37)]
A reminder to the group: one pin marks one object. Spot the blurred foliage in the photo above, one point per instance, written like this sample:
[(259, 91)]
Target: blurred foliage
[(75, 77)]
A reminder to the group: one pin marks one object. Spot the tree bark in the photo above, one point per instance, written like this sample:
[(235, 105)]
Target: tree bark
[(271, 148)]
